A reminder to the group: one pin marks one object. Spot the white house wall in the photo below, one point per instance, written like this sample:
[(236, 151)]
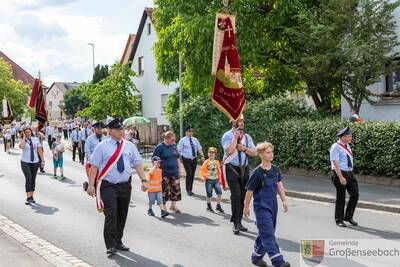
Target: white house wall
[(55, 95), (148, 85)]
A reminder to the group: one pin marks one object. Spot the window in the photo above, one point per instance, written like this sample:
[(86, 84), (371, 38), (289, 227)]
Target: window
[(50, 103), (148, 28), (393, 79), (140, 67), (164, 98), (140, 105)]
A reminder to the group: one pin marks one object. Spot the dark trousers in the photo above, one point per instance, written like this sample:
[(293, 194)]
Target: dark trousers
[(75, 146), (12, 141), (352, 188), (50, 141), (82, 158), (30, 170), (116, 198), (65, 131), (238, 191), (190, 169)]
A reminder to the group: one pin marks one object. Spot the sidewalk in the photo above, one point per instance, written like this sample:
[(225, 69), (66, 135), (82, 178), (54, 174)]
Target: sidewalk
[(15, 254), (20, 247), (376, 197)]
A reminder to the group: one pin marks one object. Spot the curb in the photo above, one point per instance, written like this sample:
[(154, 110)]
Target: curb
[(360, 204)]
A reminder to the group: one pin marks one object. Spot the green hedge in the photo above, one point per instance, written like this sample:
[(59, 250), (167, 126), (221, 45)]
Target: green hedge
[(302, 137)]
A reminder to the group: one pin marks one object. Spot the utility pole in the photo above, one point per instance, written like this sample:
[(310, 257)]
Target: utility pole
[(180, 98), (92, 45)]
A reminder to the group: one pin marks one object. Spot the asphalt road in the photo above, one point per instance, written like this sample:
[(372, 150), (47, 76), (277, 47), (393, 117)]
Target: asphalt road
[(65, 216)]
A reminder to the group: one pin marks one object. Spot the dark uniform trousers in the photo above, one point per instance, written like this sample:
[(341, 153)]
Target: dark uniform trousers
[(82, 158), (237, 186), (352, 188), (190, 169), (12, 141), (75, 145), (116, 198)]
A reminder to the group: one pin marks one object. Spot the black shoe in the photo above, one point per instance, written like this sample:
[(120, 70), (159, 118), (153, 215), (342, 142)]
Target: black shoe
[(164, 213), (122, 247), (209, 208), (352, 222), (341, 224), (27, 201), (219, 208), (260, 263), (32, 200), (242, 228), (150, 212), (112, 251), (235, 229), (285, 264), (190, 193)]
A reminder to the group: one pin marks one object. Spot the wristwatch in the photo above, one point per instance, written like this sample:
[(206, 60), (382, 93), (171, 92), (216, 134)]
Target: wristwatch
[(143, 181)]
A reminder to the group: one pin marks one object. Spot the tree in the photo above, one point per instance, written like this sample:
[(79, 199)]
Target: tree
[(16, 92), (368, 50), (343, 46), (112, 96), (100, 72), (74, 101), (186, 28)]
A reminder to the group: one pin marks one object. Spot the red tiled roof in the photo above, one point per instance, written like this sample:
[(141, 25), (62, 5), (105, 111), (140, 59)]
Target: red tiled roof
[(128, 49), (19, 73), (149, 12)]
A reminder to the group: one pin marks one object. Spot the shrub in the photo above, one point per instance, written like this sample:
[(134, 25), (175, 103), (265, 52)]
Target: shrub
[(302, 137)]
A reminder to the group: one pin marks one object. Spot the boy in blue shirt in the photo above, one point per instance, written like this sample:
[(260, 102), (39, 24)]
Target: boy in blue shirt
[(264, 184)]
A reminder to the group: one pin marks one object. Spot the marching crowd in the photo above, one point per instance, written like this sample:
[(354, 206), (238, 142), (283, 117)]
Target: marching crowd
[(110, 151)]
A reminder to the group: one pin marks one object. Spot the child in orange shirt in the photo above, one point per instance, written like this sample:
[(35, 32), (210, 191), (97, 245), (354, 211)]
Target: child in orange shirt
[(154, 189), (210, 173)]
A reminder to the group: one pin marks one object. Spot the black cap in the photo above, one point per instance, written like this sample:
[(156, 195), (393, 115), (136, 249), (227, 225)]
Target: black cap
[(343, 132), (115, 124), (187, 128), (99, 124)]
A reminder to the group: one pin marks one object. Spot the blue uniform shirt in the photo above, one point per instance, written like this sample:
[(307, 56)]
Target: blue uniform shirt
[(13, 131), (85, 132), (49, 130), (264, 184), (26, 152), (103, 152), (169, 159), (91, 144), (185, 149), (337, 154), (75, 136), (227, 140)]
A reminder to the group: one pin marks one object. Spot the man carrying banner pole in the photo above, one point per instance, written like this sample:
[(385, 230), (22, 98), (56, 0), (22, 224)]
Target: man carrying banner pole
[(228, 96), (114, 158)]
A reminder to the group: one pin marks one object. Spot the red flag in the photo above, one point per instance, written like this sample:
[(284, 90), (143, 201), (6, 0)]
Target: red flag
[(228, 91), (37, 102)]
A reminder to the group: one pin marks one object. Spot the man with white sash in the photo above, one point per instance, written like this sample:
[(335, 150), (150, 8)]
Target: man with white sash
[(238, 147), (113, 158), (342, 165)]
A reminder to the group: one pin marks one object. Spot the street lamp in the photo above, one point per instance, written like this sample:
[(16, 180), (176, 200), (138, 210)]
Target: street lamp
[(92, 44)]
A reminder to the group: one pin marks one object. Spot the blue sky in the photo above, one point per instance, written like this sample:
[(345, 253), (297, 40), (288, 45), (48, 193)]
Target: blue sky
[(52, 35)]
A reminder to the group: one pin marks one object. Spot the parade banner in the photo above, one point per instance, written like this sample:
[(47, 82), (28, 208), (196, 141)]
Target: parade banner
[(228, 91), (6, 113), (37, 103)]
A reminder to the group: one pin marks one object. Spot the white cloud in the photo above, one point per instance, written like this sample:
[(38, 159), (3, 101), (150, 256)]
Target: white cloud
[(52, 36)]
